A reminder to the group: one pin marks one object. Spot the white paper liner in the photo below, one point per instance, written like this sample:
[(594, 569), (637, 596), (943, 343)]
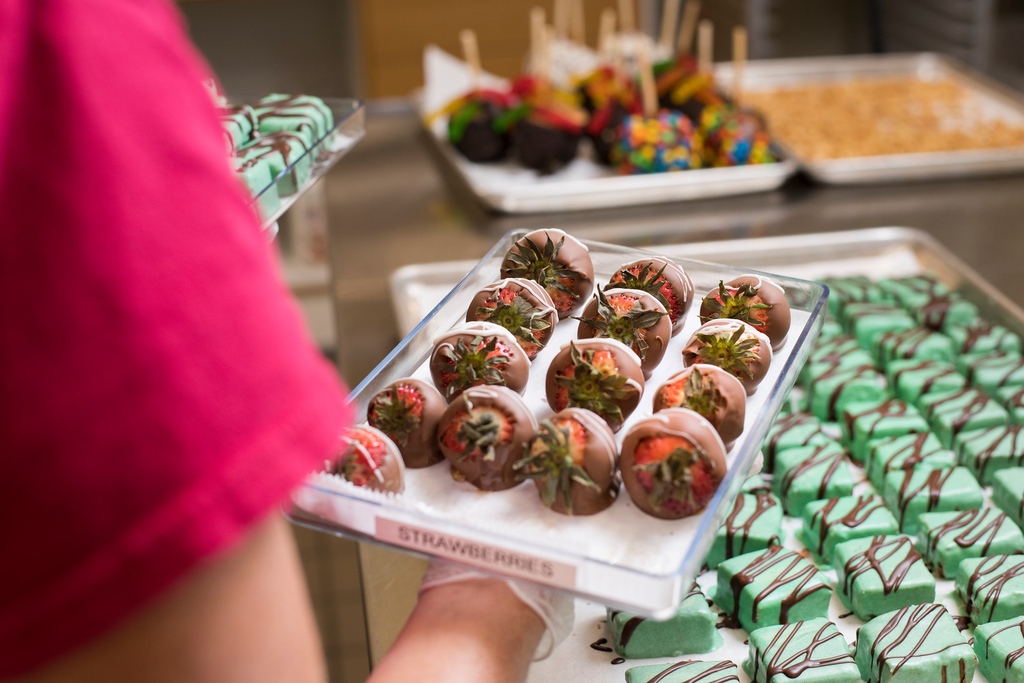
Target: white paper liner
[(621, 535)]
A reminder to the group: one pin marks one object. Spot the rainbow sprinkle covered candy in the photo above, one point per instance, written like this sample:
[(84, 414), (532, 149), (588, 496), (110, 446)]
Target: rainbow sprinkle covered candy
[(666, 142), (733, 138)]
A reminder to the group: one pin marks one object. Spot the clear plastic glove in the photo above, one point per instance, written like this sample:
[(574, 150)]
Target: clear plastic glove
[(555, 608)]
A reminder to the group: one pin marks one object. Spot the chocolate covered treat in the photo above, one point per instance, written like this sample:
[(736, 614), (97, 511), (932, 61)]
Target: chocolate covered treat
[(948, 538), (755, 300), (856, 289), (600, 375), (866, 423), (559, 262), (793, 431), (832, 521), (833, 390), (910, 492), (522, 307), (733, 137), (483, 433), (983, 336), (810, 473), (1012, 398), (812, 651), (686, 671), (868, 322), (734, 346), (911, 379), (914, 644), (771, 587), (370, 459), (672, 463), (753, 523), (992, 587), (281, 152), (635, 318), (913, 291), (571, 459), (944, 311), (878, 574), (999, 647), (663, 278), (842, 348), (475, 354), (479, 124), (964, 410), (691, 630), (908, 452), (302, 114), (658, 144), (1008, 493), (919, 343), (709, 391), (986, 451), (408, 410), (993, 371)]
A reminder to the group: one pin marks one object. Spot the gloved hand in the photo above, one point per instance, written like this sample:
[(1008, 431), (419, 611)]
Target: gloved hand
[(555, 608)]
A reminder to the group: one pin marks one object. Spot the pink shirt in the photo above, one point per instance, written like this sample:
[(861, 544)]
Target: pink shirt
[(157, 391)]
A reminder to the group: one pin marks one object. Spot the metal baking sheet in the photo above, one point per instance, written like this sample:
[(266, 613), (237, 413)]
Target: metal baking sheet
[(995, 99), (875, 252), (619, 556)]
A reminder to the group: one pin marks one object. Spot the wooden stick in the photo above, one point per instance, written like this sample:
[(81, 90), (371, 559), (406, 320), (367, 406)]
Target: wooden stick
[(471, 53), (561, 18), (705, 46), (647, 88), (537, 19), (627, 16), (690, 15), (547, 51), (578, 28), (739, 61), (669, 19), (606, 32)]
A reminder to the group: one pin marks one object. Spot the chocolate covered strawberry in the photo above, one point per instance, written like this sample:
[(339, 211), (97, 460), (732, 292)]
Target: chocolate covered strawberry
[(632, 317), (672, 463), (482, 434), (560, 263), (600, 375), (408, 411), (755, 300), (478, 353), (522, 307), (571, 459), (370, 459), (734, 346), (666, 280), (709, 391)]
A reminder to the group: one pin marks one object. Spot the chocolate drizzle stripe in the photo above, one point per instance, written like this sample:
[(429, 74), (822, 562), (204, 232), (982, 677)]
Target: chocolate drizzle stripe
[(1011, 436), (985, 585), (970, 527), (802, 659), (733, 528), (933, 482), (1013, 655), (704, 676), (881, 551), (916, 624), (863, 507), (789, 568)]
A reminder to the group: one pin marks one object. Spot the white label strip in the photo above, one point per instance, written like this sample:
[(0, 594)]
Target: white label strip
[(476, 554)]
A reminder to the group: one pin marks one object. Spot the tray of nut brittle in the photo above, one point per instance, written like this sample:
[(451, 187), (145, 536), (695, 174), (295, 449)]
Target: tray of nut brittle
[(879, 118), (620, 555)]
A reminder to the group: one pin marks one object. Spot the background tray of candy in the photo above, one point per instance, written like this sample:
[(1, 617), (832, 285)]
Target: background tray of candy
[(508, 187), (876, 254), (620, 556), (882, 118), (280, 145)]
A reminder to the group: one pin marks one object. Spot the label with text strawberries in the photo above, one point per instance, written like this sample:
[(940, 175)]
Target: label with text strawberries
[(474, 553)]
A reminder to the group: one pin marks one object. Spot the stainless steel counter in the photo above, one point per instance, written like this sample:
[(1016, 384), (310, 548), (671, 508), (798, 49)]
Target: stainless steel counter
[(389, 206)]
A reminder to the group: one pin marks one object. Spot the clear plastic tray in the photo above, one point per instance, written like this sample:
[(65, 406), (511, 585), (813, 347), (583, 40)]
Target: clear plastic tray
[(620, 556), (293, 181)]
